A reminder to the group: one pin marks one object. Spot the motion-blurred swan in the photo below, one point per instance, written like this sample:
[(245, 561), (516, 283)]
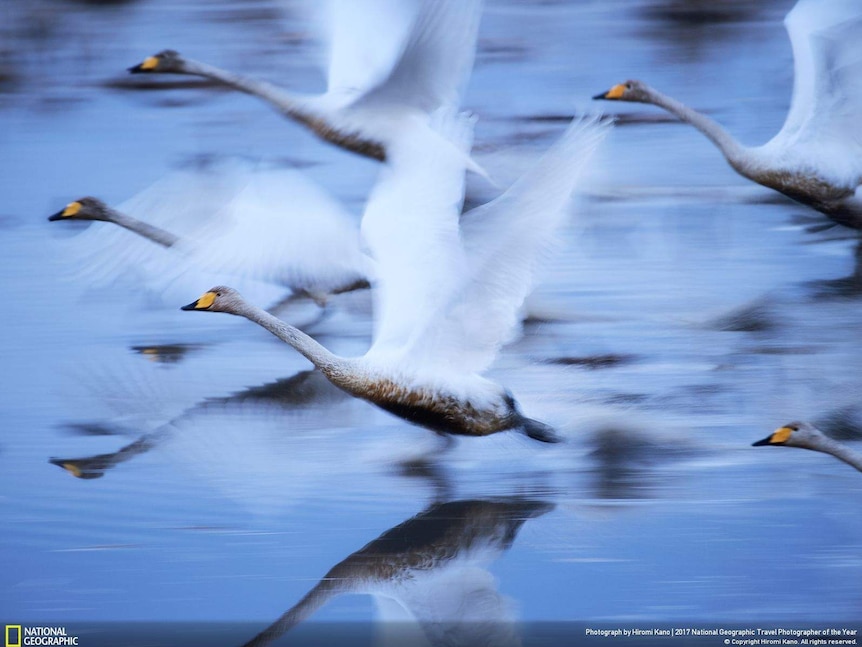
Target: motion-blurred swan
[(448, 293), (270, 225), (816, 158), (807, 436), (431, 570), (391, 64)]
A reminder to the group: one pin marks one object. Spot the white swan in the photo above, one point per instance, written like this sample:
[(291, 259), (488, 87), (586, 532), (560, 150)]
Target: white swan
[(271, 225), (816, 158), (807, 436), (382, 78), (448, 293)]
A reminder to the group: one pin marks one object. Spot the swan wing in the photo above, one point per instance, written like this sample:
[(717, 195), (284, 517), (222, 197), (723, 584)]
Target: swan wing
[(826, 37), (363, 39), (436, 61), (283, 228), (177, 203), (236, 221), (410, 227), (503, 241), (461, 605)]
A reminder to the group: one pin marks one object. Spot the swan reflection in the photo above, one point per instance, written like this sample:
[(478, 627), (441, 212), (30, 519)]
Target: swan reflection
[(430, 575), (306, 389)]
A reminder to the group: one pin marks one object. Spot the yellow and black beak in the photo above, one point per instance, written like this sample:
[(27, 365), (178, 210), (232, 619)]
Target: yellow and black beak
[(149, 65), (77, 468), (71, 210), (615, 92), (777, 437), (204, 303)]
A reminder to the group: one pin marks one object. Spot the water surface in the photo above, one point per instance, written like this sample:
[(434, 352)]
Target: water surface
[(685, 314)]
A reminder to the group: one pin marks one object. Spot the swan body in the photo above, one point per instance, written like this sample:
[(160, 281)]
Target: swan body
[(807, 436), (475, 407), (274, 226), (449, 288), (390, 65), (816, 157)]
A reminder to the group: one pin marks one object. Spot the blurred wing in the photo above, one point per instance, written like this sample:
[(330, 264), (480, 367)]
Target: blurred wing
[(411, 228), (364, 38), (282, 228), (461, 605), (437, 59), (503, 241), (238, 224), (826, 36), (181, 203)]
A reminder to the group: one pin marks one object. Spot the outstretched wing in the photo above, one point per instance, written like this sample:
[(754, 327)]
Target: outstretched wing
[(235, 221), (179, 203), (364, 39), (280, 227), (411, 229), (502, 242), (436, 61), (826, 36)]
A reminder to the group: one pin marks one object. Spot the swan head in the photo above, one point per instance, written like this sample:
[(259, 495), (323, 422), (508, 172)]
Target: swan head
[(629, 91), (218, 299), (793, 434), (165, 62), (84, 209)]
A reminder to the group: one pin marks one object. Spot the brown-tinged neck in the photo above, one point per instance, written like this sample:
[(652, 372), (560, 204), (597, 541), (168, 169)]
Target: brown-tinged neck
[(324, 591), (292, 106), (155, 234)]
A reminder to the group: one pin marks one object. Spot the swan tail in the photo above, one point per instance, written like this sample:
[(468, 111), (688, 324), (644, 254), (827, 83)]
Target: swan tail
[(540, 431)]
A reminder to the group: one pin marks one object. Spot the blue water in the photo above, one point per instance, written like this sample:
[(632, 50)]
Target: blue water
[(685, 314)]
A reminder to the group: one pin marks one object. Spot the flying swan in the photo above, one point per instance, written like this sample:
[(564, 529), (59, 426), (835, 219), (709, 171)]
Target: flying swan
[(391, 66), (269, 225), (448, 291), (816, 157)]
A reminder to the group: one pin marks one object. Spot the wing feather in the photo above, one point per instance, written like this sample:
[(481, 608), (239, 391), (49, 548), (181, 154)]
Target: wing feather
[(437, 59), (365, 39), (826, 37), (502, 243), (411, 229)]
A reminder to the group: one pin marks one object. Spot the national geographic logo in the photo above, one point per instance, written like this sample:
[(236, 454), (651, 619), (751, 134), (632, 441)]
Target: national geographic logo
[(13, 635), (32, 636)]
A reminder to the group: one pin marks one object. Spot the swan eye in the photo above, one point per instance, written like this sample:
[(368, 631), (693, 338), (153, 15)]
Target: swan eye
[(628, 86)]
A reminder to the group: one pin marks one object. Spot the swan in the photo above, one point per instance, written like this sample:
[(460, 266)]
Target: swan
[(271, 225), (433, 571), (378, 83), (816, 157), (448, 292), (807, 436)]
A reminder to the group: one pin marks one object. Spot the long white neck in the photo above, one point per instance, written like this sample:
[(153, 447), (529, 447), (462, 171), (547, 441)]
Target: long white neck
[(329, 363), (839, 451), (158, 236), (276, 97), (732, 150)]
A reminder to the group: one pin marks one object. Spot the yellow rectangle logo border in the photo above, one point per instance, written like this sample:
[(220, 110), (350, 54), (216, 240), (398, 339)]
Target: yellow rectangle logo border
[(9, 629)]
